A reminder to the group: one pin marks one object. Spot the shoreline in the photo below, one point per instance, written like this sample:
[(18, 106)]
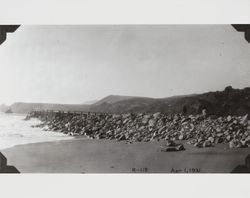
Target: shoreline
[(84, 154), (81, 155), (45, 141), (17, 145), (17, 131)]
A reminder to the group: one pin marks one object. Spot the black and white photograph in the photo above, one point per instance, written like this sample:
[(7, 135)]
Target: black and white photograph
[(170, 98)]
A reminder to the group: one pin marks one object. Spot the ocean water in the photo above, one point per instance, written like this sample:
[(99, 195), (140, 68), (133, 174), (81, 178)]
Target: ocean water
[(14, 130)]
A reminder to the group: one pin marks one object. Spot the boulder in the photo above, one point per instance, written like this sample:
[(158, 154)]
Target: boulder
[(151, 123), (180, 147), (207, 144), (176, 147), (218, 140), (181, 137), (229, 118), (156, 115), (122, 137), (170, 143), (232, 144), (244, 120), (198, 144), (211, 139)]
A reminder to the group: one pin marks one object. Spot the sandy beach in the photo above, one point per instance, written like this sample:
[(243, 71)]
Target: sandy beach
[(107, 156)]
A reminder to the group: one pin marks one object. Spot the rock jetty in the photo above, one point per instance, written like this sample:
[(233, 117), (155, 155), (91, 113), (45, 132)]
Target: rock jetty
[(199, 130)]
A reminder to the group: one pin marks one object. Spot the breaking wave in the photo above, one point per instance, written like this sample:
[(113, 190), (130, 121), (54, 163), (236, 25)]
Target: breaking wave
[(14, 130)]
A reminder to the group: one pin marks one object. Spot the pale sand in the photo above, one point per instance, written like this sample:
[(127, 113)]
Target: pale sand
[(106, 156)]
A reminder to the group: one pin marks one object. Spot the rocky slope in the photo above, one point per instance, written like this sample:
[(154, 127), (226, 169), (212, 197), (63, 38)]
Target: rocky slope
[(199, 130)]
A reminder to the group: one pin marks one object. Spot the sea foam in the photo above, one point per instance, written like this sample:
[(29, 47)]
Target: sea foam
[(14, 130)]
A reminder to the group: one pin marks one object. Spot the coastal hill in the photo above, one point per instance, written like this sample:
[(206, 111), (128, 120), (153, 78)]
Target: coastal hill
[(113, 99), (229, 101)]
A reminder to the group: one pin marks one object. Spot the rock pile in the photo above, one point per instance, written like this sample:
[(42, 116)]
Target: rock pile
[(198, 130)]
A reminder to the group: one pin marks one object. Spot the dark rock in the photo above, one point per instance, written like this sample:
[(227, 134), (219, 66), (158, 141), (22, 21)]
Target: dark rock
[(207, 144), (173, 147)]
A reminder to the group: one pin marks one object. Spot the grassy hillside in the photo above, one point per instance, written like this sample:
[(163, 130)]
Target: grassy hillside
[(230, 101), (112, 99)]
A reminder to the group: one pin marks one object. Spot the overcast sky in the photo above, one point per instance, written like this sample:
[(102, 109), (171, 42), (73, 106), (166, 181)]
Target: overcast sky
[(74, 64)]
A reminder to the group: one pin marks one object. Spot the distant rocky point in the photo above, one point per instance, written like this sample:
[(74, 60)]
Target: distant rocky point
[(9, 111), (22, 107), (3, 108)]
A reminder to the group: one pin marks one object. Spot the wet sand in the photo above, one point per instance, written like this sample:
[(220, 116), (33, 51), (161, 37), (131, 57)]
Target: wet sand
[(107, 156)]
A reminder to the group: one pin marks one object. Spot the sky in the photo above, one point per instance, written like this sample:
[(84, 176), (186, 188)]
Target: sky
[(75, 64)]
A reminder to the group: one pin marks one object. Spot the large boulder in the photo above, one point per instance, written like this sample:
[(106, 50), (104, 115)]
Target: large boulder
[(175, 147)]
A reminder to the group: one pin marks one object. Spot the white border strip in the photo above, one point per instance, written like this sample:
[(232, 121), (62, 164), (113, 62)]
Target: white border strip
[(124, 11)]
